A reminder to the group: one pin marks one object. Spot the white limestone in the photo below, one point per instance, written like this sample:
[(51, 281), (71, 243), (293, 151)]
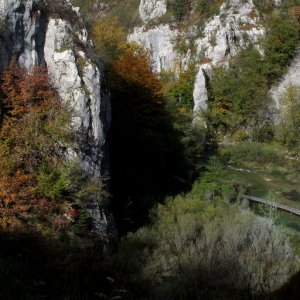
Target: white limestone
[(235, 27), (84, 94), (152, 9), (159, 41)]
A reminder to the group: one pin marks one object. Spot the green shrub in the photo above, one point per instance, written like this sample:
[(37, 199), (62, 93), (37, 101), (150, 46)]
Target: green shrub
[(59, 9), (252, 152), (196, 250), (125, 11), (280, 45), (263, 134), (179, 8), (288, 130), (53, 182), (239, 93), (215, 182), (181, 91), (208, 8)]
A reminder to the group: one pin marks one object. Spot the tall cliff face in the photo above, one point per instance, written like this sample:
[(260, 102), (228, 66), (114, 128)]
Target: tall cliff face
[(159, 40), (36, 39), (23, 32), (80, 83), (235, 26)]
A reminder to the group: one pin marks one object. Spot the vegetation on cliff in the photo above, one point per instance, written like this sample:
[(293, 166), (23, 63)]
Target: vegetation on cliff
[(185, 230)]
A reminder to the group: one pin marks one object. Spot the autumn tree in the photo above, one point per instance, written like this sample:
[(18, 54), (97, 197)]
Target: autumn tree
[(35, 130), (109, 38)]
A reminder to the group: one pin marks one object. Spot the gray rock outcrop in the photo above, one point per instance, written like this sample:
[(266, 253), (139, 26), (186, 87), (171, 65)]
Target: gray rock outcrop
[(24, 31), (233, 28), (80, 84), (159, 41), (152, 9)]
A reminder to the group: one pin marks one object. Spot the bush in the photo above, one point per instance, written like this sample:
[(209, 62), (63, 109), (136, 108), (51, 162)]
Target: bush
[(58, 9), (208, 8), (53, 183), (125, 11), (109, 38), (244, 152), (181, 90), (196, 250), (280, 45), (288, 130), (215, 183), (239, 93), (179, 8), (263, 134)]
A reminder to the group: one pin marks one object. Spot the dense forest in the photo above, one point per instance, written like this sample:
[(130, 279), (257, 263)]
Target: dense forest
[(177, 177)]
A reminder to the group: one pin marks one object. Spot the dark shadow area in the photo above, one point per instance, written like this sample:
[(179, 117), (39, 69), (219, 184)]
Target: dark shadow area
[(146, 156), (292, 195), (35, 267), (289, 291)]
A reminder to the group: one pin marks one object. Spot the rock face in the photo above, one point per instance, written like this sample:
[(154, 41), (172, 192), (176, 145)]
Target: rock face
[(159, 40), (152, 9), (236, 26), (36, 40), (292, 78), (23, 32), (80, 84)]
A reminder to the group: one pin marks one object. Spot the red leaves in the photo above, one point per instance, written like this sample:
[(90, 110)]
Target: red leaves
[(16, 187), (24, 91), (134, 65), (29, 104)]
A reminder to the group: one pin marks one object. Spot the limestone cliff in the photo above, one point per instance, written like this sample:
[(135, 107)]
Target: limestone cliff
[(151, 9), (36, 38), (233, 28)]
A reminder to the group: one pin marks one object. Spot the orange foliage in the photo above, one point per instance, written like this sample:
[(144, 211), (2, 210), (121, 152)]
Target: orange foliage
[(16, 187), (294, 11), (25, 91), (109, 38), (134, 66), (28, 104), (27, 100), (294, 14)]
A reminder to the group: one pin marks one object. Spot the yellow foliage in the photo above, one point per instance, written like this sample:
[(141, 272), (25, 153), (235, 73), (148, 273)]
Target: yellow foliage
[(109, 38), (182, 110)]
